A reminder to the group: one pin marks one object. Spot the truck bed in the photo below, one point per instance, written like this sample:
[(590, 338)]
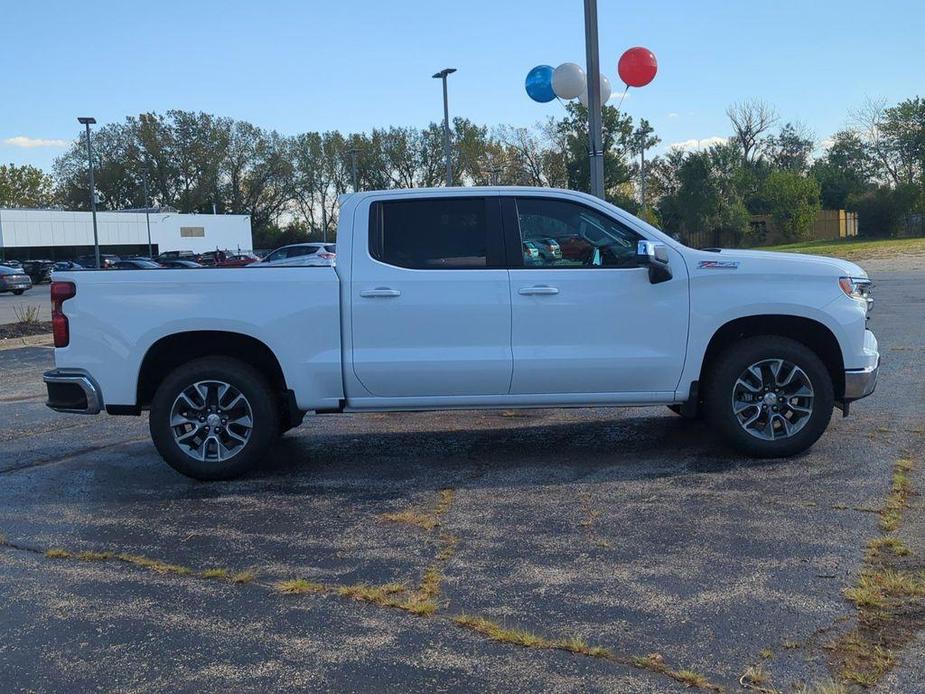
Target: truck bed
[(117, 315)]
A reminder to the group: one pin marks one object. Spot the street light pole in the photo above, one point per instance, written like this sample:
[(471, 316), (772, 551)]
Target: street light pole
[(595, 126), (443, 74), (88, 121), (353, 163), (144, 182)]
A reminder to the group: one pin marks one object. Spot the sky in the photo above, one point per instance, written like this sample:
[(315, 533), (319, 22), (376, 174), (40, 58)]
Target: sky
[(354, 65)]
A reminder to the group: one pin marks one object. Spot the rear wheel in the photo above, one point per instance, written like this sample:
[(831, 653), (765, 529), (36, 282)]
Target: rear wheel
[(769, 396), (214, 418), (18, 292)]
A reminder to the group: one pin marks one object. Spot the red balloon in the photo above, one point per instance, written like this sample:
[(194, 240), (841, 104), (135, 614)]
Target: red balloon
[(637, 67)]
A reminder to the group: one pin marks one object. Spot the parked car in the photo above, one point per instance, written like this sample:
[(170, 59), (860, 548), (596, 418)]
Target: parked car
[(106, 260), (531, 253), (39, 271), (11, 263), (427, 310), (136, 264), (549, 249), (66, 265), (179, 264), (302, 254), (237, 260), (14, 280), (177, 255)]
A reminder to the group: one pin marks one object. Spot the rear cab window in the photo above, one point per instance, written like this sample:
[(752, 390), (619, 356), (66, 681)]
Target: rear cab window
[(454, 233)]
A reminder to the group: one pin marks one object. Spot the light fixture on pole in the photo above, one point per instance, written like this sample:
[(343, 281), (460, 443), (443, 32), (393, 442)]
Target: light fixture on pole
[(87, 121), (442, 75)]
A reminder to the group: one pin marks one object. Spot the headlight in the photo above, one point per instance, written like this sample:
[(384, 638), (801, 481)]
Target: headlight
[(857, 288)]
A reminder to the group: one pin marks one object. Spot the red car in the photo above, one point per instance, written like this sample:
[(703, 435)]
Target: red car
[(237, 260)]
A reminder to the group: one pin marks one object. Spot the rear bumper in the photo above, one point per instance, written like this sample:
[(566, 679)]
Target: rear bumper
[(73, 391)]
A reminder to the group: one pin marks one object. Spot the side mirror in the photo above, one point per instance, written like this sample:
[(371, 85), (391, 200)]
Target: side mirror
[(654, 255)]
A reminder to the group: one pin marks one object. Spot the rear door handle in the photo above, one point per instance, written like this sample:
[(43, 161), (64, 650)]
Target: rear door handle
[(379, 292), (538, 290)]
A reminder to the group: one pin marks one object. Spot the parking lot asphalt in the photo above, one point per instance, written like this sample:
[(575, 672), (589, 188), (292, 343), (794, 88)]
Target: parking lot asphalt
[(632, 529), (39, 296)]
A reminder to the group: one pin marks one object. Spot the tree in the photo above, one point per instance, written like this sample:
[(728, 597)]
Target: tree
[(571, 133), (643, 139), (25, 186), (751, 119), (706, 197), (793, 202), (846, 169), (791, 148)]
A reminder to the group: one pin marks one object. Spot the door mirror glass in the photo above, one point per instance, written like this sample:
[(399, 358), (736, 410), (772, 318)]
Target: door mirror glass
[(654, 255)]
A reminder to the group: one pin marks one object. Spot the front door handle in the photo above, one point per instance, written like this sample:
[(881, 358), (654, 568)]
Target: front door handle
[(379, 292), (540, 289)]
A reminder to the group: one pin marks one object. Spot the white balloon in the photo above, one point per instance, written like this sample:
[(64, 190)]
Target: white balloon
[(606, 91), (568, 81)]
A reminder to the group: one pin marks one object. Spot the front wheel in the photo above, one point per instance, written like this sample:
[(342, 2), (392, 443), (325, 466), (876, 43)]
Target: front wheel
[(18, 292), (769, 396), (214, 418)]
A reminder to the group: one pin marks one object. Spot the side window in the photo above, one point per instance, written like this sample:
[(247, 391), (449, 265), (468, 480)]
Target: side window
[(296, 251), (433, 234), (558, 233), (277, 255)]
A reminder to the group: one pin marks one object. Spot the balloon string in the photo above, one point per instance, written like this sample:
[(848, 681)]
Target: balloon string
[(622, 96)]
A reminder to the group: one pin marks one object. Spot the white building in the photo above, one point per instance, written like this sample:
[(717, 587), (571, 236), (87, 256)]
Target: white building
[(56, 234)]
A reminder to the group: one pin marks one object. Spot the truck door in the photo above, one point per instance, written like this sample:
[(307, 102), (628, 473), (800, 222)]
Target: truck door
[(431, 302), (585, 317)]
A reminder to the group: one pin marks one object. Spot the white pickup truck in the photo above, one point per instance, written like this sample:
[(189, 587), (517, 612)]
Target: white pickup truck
[(467, 298)]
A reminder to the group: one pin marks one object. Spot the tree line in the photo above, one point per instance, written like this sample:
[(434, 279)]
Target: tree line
[(289, 185)]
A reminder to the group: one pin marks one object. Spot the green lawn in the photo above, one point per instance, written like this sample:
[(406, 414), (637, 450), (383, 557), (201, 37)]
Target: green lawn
[(851, 249)]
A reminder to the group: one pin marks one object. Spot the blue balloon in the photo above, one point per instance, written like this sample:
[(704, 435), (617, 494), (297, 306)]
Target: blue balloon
[(539, 84)]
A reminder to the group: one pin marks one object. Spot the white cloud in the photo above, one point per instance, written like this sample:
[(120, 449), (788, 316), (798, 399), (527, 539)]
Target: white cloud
[(673, 115), (30, 142), (827, 143), (694, 145)]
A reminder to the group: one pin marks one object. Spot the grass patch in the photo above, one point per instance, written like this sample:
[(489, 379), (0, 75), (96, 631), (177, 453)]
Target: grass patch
[(421, 519), (855, 248), (155, 565), (877, 547), (216, 574), (95, 556), (57, 553), (299, 586), (428, 519), (654, 662), (243, 577), (889, 595), (898, 499)]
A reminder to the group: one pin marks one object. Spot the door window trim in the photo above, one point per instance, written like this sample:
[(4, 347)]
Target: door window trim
[(513, 239), (496, 253)]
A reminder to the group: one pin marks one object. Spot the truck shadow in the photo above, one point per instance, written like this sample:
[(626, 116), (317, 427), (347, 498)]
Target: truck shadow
[(538, 451)]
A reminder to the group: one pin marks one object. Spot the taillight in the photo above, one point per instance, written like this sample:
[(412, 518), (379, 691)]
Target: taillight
[(326, 256), (61, 292)]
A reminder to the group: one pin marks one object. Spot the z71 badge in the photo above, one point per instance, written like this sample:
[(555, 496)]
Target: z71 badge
[(718, 264)]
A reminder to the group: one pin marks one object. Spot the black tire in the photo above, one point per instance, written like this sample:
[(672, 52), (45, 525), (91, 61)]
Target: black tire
[(258, 396), (733, 362), (19, 292)]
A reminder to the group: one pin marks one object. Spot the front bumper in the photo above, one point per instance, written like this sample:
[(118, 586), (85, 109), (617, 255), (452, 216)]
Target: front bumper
[(859, 383), (73, 391)]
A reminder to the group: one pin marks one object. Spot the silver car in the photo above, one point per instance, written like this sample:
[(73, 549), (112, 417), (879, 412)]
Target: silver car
[(302, 254), (14, 280)]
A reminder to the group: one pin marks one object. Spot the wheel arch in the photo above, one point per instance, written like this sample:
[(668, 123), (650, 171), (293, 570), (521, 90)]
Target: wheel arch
[(176, 349), (807, 331)]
